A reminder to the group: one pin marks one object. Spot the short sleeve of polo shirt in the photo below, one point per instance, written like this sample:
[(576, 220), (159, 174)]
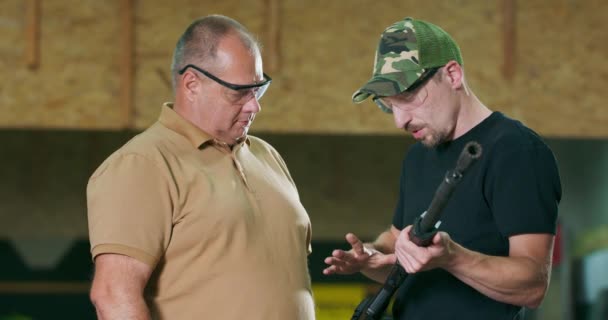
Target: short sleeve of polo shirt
[(524, 190), (129, 208)]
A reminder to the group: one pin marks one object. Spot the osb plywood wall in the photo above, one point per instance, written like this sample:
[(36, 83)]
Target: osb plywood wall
[(324, 51)]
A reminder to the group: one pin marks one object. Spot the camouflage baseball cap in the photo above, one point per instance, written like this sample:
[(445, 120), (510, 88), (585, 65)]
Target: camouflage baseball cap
[(406, 50)]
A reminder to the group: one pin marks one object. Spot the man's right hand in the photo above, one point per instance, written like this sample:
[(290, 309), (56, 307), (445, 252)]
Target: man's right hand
[(358, 259)]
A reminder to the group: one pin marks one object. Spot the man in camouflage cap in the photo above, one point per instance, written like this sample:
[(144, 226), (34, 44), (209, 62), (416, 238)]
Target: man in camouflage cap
[(492, 254)]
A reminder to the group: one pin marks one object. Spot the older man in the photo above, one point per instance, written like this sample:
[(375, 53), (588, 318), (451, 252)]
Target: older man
[(193, 218)]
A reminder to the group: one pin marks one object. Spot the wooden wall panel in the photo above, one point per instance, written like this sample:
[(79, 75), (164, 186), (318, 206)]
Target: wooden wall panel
[(76, 82), (326, 52), (561, 69), (563, 72)]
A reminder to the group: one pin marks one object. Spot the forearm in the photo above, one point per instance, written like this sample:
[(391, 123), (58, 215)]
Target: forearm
[(378, 274), (385, 242), (118, 287), (517, 280), (384, 245), (110, 308)]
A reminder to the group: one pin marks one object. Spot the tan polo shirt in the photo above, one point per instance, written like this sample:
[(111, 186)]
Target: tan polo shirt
[(224, 230)]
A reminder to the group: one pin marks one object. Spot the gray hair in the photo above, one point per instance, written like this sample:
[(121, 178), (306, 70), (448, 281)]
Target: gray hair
[(198, 44)]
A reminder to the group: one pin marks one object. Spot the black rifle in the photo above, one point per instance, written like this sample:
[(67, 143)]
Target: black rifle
[(422, 233)]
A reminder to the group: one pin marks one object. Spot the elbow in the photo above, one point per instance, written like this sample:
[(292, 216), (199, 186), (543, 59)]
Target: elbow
[(534, 303), (539, 289), (98, 297), (536, 296), (102, 298)]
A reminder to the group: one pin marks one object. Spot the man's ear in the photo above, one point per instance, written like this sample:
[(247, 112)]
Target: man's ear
[(454, 74), (189, 84)]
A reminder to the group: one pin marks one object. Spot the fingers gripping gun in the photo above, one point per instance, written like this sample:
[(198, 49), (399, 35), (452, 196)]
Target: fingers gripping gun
[(422, 233)]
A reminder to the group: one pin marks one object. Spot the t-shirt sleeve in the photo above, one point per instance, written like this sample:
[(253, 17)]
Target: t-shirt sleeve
[(524, 190), (129, 209)]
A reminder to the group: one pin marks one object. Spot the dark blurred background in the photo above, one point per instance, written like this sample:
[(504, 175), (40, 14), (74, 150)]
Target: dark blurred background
[(80, 78)]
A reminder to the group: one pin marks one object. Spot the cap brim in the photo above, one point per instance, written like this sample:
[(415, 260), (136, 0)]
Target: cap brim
[(360, 96), (386, 85), (377, 87)]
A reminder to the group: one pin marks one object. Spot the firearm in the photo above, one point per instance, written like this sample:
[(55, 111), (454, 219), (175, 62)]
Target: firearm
[(422, 233)]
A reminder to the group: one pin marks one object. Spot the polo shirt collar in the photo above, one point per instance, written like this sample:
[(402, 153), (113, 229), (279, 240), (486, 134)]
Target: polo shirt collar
[(197, 137)]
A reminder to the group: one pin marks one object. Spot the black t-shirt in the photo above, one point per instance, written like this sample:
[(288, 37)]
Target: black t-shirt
[(514, 188)]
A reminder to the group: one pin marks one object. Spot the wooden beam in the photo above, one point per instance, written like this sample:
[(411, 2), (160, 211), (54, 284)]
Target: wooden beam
[(44, 287), (32, 34), (273, 35), (509, 28), (164, 78), (127, 64)]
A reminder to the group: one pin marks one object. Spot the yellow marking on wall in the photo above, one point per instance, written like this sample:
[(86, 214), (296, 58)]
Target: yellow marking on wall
[(337, 301)]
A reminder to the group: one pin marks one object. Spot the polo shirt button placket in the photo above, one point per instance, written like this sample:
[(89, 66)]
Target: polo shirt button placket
[(239, 168), (224, 147)]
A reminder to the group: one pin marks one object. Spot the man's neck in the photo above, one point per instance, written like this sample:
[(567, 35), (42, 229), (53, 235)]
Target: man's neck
[(471, 113)]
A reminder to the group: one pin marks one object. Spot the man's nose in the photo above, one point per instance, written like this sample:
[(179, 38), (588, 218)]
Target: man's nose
[(253, 105), (402, 118)]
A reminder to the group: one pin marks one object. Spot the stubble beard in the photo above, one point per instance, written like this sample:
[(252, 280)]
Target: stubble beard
[(434, 138)]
